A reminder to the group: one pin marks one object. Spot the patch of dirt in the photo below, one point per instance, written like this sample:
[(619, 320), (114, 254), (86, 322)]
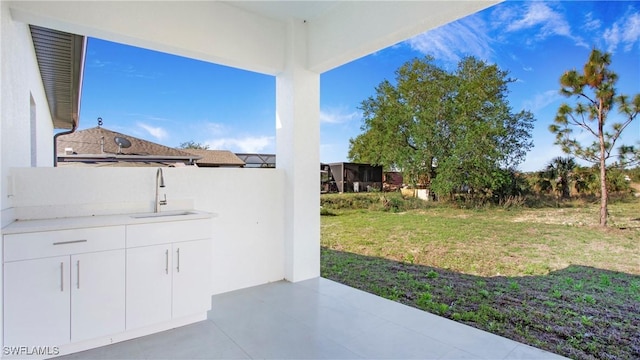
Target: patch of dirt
[(580, 312), (569, 217)]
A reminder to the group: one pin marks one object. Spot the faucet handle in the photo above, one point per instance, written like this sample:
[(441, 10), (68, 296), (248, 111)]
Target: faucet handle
[(164, 202)]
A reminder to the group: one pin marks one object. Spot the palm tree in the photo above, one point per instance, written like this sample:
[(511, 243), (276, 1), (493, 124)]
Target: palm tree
[(561, 170)]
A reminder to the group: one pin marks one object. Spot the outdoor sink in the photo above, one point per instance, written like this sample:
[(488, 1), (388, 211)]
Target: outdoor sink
[(163, 214)]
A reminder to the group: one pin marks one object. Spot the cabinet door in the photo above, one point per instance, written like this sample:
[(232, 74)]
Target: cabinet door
[(148, 289), (191, 277), (97, 294), (36, 302)]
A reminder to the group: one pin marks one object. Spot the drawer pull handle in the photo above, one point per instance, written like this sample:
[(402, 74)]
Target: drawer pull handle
[(78, 265), (69, 242), (166, 261), (62, 276), (178, 267)]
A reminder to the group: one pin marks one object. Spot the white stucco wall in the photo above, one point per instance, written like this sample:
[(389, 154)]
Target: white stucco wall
[(19, 81), (379, 24), (297, 154), (247, 230), (206, 30), (226, 33)]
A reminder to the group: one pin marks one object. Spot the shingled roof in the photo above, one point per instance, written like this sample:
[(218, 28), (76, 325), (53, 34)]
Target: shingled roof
[(216, 158), (98, 145), (99, 140)]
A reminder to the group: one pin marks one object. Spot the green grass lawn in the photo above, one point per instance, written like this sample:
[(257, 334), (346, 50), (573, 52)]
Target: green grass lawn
[(547, 277)]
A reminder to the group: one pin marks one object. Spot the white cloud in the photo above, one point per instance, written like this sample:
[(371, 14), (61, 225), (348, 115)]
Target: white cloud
[(148, 117), (539, 15), (132, 72), (210, 128), (612, 37), (540, 18), (541, 100), (120, 69), (590, 24), (631, 33), (247, 144), (452, 41), (625, 32), (337, 116), (157, 132), (99, 63)]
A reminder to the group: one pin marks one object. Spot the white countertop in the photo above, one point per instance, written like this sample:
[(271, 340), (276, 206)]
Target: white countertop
[(24, 226)]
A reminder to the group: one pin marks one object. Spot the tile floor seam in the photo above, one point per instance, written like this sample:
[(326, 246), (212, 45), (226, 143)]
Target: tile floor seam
[(475, 357), (387, 319), (290, 318), (301, 320), (416, 334), (506, 357), (328, 338), (230, 338), (515, 343), (510, 352)]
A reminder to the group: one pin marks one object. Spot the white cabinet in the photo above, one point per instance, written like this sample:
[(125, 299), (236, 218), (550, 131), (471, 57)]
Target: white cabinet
[(85, 287), (148, 285), (36, 302), (97, 294), (168, 271), (63, 286), (191, 278)]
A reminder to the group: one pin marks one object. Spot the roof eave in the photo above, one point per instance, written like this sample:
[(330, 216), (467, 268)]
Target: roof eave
[(94, 157), (61, 58)]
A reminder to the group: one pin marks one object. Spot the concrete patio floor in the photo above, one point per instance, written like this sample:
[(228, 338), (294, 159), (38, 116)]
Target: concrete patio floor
[(316, 319)]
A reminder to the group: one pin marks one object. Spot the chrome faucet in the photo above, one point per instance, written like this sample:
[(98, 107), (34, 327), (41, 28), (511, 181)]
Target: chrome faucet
[(159, 184)]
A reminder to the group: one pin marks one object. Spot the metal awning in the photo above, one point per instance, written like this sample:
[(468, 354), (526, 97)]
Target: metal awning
[(60, 58)]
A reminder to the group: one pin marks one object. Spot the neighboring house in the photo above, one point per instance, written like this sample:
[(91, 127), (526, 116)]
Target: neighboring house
[(357, 174), (327, 183), (216, 158), (392, 180), (353, 177), (258, 160), (102, 147)]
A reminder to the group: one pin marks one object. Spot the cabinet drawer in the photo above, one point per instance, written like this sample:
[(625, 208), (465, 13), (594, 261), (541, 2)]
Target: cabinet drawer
[(167, 232), (62, 242)]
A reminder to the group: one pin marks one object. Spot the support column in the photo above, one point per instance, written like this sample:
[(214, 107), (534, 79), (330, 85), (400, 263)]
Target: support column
[(298, 154)]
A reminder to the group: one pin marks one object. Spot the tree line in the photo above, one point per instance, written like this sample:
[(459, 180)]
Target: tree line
[(454, 132)]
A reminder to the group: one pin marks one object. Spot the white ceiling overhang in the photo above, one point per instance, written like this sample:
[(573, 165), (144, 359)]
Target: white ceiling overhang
[(60, 59), (250, 35)]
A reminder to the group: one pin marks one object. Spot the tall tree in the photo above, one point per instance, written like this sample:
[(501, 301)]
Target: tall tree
[(401, 127), (444, 129), (595, 96)]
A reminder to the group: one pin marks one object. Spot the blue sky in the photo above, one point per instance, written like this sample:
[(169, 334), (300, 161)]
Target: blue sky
[(170, 100)]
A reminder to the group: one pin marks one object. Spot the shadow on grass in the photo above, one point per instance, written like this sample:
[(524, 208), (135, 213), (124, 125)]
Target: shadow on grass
[(580, 312)]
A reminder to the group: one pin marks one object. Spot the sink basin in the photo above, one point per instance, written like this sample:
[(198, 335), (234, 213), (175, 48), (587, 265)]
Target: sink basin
[(163, 214)]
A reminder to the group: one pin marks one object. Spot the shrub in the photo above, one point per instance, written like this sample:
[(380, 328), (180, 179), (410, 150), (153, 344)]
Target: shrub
[(393, 202), (326, 212)]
